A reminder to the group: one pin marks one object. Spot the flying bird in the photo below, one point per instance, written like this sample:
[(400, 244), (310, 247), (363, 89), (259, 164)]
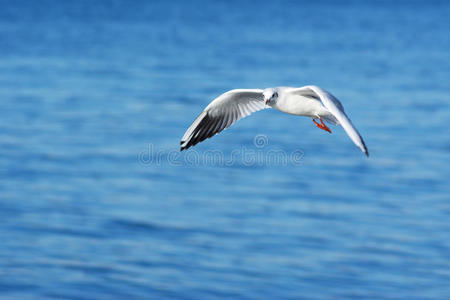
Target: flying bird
[(310, 101)]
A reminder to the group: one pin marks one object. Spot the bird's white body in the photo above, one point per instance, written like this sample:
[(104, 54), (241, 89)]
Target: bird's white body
[(310, 101), (298, 105)]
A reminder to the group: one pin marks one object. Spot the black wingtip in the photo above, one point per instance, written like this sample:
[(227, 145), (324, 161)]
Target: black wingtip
[(366, 151), (364, 148), (186, 146)]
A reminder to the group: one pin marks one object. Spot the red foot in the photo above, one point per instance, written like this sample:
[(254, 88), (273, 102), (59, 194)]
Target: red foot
[(321, 125)]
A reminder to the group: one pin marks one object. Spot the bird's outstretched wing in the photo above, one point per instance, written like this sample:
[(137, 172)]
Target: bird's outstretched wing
[(221, 113), (335, 107)]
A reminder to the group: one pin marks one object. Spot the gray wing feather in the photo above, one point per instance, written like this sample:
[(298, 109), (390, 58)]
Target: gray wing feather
[(335, 107), (221, 113)]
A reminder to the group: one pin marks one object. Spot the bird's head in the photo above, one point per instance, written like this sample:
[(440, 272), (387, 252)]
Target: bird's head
[(270, 96)]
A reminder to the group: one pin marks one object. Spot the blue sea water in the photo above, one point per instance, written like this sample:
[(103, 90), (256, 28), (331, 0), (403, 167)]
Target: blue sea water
[(96, 202)]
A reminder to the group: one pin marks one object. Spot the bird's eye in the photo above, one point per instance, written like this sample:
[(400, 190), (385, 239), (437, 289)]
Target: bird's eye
[(275, 95)]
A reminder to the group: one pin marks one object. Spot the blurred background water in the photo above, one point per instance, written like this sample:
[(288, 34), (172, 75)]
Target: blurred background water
[(95, 202)]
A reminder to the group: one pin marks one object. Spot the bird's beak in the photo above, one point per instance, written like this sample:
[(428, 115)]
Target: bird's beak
[(267, 101)]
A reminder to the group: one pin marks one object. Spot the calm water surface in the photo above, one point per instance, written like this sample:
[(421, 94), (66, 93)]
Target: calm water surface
[(95, 202)]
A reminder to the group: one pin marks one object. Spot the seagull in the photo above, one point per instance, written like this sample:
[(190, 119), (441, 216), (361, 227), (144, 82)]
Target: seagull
[(310, 101)]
